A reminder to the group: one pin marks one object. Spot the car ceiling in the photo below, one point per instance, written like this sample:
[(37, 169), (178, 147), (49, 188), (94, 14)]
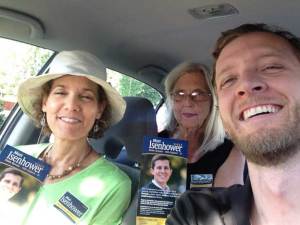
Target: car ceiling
[(142, 38)]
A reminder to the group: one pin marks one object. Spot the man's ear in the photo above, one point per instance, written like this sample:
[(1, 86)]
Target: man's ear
[(152, 171)]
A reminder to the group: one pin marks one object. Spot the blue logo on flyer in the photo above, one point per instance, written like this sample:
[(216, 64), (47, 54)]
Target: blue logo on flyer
[(24, 162), (169, 146)]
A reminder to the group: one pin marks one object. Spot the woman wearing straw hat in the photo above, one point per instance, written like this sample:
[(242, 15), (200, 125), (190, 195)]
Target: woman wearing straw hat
[(74, 102)]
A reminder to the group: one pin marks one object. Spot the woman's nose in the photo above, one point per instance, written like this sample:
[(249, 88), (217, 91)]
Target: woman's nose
[(72, 103), (187, 101)]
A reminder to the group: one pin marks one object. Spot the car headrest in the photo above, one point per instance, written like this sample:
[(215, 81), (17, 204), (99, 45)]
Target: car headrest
[(139, 120)]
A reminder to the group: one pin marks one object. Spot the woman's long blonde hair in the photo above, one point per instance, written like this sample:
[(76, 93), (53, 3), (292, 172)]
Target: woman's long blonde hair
[(214, 132)]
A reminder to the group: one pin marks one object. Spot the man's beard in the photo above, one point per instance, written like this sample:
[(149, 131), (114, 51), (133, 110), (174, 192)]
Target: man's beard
[(271, 146)]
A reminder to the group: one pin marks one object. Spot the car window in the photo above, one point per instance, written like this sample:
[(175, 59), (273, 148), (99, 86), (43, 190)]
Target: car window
[(17, 62), (128, 86)]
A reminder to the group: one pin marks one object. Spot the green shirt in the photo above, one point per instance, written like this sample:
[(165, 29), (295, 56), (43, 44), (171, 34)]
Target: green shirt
[(102, 190)]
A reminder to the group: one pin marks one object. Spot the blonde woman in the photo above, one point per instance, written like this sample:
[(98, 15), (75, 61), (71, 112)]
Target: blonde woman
[(192, 116)]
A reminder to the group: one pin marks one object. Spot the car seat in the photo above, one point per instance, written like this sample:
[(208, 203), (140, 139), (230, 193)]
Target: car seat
[(123, 143)]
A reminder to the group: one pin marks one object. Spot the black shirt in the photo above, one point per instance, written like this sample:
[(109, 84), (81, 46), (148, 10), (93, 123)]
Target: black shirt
[(209, 163), (213, 206)]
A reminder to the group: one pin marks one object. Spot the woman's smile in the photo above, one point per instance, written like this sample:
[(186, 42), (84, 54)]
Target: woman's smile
[(71, 120)]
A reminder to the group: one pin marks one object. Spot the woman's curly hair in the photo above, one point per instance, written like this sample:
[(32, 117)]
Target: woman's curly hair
[(102, 123)]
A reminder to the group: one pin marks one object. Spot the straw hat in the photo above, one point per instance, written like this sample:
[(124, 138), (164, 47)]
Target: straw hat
[(76, 63)]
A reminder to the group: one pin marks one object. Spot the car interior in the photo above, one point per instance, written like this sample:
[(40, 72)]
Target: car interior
[(137, 124), (142, 39)]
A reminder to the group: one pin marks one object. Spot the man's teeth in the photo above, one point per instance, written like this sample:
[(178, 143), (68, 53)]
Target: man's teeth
[(260, 109)]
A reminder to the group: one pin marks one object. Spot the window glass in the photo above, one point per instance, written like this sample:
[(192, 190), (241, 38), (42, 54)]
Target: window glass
[(128, 86), (17, 62)]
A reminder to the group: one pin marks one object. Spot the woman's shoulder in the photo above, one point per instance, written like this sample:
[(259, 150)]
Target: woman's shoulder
[(222, 150), (212, 160), (111, 170)]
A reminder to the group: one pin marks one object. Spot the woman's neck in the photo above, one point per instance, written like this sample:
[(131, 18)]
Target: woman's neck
[(195, 137), (63, 151)]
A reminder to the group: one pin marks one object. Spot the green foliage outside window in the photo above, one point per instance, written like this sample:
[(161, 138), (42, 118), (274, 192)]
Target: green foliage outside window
[(18, 61), (2, 118), (131, 87)]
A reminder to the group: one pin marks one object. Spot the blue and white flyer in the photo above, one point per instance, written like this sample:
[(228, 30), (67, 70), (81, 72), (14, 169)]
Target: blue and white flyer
[(21, 176), (162, 179), (28, 164)]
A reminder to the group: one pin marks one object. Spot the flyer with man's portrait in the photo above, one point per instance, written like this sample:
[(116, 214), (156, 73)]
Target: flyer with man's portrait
[(20, 178), (162, 179)]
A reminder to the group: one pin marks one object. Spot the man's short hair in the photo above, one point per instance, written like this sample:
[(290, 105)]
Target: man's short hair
[(159, 157), (12, 171), (230, 35)]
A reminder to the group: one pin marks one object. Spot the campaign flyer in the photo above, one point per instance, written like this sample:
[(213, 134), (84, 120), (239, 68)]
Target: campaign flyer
[(162, 179), (20, 178)]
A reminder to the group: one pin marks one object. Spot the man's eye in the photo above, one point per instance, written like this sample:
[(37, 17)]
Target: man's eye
[(272, 68), (227, 82)]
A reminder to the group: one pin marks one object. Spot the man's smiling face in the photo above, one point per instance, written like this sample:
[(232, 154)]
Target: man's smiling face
[(161, 172), (257, 82), (10, 184)]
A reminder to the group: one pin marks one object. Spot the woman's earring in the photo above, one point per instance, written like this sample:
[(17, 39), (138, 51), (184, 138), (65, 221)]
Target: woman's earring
[(43, 119), (96, 127)]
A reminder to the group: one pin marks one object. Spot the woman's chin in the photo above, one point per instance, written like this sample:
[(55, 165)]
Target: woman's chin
[(72, 136)]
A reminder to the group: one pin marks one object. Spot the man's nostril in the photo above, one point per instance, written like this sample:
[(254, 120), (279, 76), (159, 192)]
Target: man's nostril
[(241, 93), (258, 88)]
